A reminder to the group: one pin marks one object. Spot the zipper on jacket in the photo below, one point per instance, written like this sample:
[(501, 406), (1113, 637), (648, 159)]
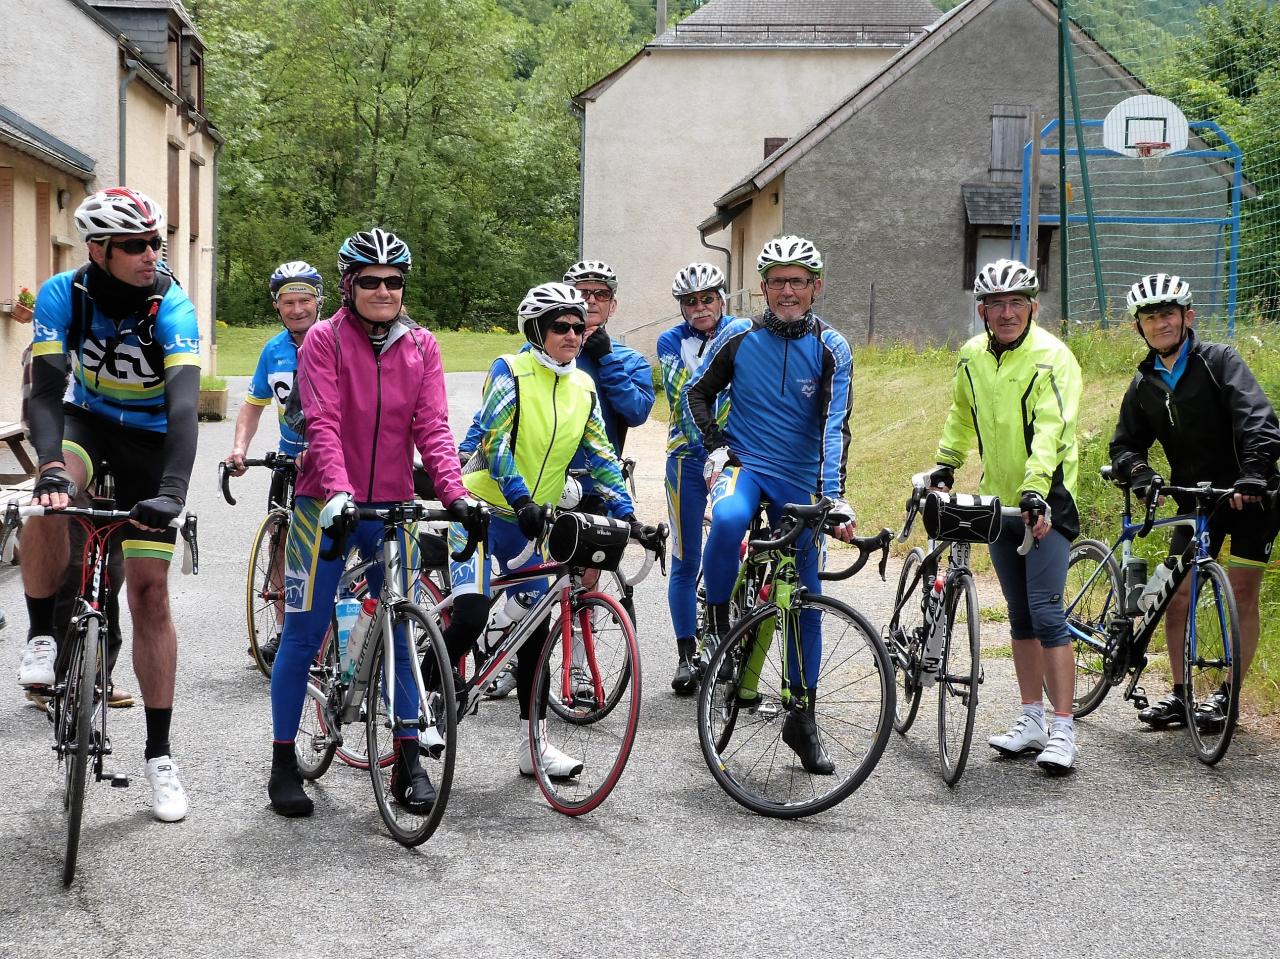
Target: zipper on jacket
[(786, 350), (377, 419), (1168, 397), (555, 428)]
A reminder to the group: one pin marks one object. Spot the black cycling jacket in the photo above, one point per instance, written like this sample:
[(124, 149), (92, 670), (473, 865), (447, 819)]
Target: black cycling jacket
[(1216, 425)]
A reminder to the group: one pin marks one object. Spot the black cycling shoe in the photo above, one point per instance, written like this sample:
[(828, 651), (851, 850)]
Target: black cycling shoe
[(285, 785), (1170, 711), (800, 732), (269, 649), (1211, 715), (410, 785), (685, 680)]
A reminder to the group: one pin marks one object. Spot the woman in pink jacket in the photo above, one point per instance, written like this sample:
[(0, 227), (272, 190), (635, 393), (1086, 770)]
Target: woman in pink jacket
[(372, 389)]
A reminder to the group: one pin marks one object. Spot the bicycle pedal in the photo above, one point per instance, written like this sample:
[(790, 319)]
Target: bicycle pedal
[(117, 780)]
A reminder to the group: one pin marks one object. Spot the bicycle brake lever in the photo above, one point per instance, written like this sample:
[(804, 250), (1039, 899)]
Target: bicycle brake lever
[(886, 537), (224, 479), (191, 555)]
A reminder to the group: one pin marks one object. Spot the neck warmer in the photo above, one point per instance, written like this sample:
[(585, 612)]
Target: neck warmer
[(559, 369), (113, 297), (788, 329)]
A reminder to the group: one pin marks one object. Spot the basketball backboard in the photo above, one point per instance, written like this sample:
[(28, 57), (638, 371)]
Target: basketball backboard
[(1144, 119)]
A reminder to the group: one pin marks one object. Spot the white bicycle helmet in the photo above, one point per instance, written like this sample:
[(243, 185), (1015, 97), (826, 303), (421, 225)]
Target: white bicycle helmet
[(118, 212), (592, 270), (572, 493), (1005, 276), (789, 251), (1158, 288), (548, 298), (697, 277)]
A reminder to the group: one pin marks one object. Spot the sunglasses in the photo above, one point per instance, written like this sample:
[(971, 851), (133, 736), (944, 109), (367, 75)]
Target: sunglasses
[(693, 299), (604, 296), (136, 245), (562, 328), (393, 282)]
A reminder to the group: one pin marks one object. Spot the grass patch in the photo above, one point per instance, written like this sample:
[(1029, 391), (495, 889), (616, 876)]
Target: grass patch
[(994, 613), (462, 350)]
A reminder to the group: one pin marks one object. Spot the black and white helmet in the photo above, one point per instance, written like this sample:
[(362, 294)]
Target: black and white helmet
[(1005, 276), (592, 270), (1158, 288), (697, 277), (789, 251), (548, 300), (118, 212), (374, 247)]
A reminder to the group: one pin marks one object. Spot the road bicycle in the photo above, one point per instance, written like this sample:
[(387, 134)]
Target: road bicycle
[(1113, 611), (587, 681), (757, 677), (933, 634), (359, 685), (264, 582), (77, 701)]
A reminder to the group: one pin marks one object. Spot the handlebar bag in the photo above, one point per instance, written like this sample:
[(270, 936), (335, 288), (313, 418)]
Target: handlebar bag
[(962, 517), (584, 541)]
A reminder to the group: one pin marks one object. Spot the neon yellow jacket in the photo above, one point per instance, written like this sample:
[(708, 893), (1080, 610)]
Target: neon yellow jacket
[(1021, 407)]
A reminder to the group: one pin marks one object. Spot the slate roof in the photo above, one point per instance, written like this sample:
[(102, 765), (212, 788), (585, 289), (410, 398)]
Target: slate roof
[(989, 204), (45, 147), (772, 23)]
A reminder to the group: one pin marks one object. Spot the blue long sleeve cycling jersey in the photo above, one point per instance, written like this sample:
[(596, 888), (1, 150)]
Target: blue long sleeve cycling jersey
[(791, 402), (681, 351)]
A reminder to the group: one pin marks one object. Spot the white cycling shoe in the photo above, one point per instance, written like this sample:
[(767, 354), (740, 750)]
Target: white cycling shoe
[(500, 686), (558, 765), (168, 798), (1025, 735), (38, 659), (1059, 756)]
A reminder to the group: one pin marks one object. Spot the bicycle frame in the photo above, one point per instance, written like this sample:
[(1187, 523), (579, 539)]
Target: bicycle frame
[(934, 622)]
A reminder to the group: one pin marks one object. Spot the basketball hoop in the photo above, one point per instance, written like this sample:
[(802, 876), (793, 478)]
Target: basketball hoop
[(1149, 149)]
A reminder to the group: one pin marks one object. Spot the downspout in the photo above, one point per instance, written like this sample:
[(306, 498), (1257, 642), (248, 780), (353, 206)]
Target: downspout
[(728, 258), (131, 67), (581, 113)]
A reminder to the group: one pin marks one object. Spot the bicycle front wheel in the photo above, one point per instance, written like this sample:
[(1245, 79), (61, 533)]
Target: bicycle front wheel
[(437, 740), (959, 678), (75, 734), (316, 741), (264, 588), (1095, 598), (601, 726), (905, 638), (742, 721), (1212, 661)]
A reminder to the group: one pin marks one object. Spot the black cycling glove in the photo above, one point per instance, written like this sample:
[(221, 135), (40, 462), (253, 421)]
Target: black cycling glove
[(1250, 486), (530, 517), (598, 344), (55, 480), (1140, 478), (157, 512), (943, 476), (1034, 504), (465, 512)]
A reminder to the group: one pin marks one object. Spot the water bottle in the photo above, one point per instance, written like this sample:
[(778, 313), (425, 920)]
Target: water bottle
[(1135, 583), (1157, 584), (513, 610), (360, 632), (346, 611)]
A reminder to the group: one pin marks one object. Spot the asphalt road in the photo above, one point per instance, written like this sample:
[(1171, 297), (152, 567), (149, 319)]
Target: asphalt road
[(1143, 851)]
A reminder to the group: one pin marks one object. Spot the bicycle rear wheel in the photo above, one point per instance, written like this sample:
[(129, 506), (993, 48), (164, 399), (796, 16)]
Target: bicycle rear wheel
[(75, 733), (959, 678), (1095, 598), (316, 741), (600, 737), (1212, 661), (905, 638), (264, 589), (438, 747), (740, 723)]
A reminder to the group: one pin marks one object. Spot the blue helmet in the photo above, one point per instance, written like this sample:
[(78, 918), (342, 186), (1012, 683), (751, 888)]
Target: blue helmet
[(296, 276), (374, 247)]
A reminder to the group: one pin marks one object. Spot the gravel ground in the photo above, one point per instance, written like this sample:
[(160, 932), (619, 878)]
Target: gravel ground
[(1135, 854)]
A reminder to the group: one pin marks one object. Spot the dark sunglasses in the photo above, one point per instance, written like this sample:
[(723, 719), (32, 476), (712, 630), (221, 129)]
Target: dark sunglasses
[(393, 282), (562, 327), (693, 299), (136, 245), (604, 296)]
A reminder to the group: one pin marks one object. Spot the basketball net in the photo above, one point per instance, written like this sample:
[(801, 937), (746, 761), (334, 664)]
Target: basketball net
[(1150, 150)]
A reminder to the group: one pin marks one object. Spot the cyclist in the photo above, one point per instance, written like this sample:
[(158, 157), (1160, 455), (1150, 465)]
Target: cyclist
[(297, 293), (133, 335), (699, 289), (1016, 391), (1204, 407), (786, 439), (557, 409), (371, 387)]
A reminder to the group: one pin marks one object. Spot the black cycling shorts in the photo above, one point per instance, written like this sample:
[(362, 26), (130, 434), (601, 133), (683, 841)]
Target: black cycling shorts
[(1252, 531), (135, 459)]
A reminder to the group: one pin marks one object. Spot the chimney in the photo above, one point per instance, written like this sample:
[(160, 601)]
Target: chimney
[(662, 18)]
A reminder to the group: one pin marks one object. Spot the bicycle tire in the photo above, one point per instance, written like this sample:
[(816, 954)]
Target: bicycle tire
[(1093, 604), (408, 828), (603, 744), (315, 744), (959, 677), (1214, 664), (82, 675), (614, 675), (844, 678), (904, 642), (261, 595)]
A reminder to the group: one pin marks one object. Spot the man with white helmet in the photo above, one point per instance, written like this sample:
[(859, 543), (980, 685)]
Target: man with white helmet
[(133, 335), (519, 471), (297, 294), (1016, 393), (786, 438), (699, 289), (1202, 404)]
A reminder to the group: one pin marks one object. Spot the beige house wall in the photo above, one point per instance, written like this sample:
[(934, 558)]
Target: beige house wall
[(667, 136)]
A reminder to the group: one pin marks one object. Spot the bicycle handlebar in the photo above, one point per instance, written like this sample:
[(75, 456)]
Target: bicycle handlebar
[(796, 518), (920, 486), (866, 545), (273, 459), (1202, 492), (412, 511), (185, 524), (655, 549)]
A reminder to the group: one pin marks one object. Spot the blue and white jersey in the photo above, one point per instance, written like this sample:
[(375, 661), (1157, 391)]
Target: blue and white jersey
[(273, 382)]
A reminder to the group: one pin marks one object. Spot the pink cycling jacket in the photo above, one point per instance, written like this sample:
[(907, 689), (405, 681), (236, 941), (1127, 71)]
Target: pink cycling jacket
[(366, 413)]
